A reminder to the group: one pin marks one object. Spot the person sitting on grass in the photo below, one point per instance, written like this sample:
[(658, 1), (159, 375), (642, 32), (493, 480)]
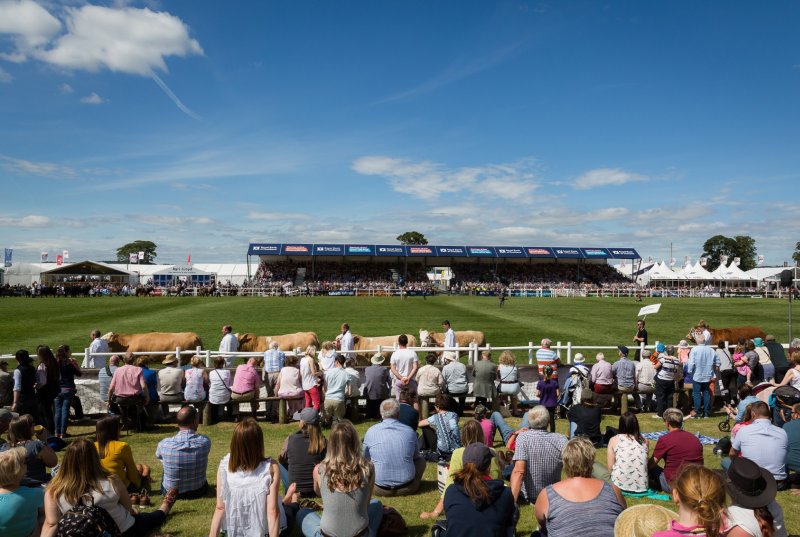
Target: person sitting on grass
[(117, 457), (700, 496), (40, 456), (627, 456), (584, 419), (82, 474), (185, 457), (440, 434), (537, 457), (302, 451), (21, 508), (677, 448), (486, 424)]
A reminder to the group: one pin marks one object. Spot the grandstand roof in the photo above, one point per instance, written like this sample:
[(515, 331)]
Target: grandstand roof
[(397, 250)]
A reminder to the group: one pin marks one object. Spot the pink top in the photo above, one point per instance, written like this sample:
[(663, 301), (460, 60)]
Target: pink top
[(679, 530), (127, 381), (488, 431), (245, 379)]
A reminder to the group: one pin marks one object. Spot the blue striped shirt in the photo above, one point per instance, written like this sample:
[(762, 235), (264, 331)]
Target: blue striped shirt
[(274, 360)]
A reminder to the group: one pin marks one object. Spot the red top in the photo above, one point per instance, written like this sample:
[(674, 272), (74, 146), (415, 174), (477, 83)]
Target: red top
[(677, 448)]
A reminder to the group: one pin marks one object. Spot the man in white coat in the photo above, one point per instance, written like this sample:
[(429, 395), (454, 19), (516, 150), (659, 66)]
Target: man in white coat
[(94, 360), (449, 341), (345, 342), (229, 343)]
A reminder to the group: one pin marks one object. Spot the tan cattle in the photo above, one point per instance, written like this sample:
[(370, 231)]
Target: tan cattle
[(731, 335), (152, 341), (287, 342), (365, 343), (464, 338)]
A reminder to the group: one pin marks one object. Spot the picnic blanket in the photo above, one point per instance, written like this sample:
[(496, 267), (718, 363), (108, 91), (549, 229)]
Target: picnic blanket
[(650, 495), (705, 440)]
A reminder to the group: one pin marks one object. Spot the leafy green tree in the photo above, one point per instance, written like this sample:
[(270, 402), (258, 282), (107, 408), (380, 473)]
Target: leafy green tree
[(715, 247), (148, 247), (796, 254), (745, 250), (412, 237)]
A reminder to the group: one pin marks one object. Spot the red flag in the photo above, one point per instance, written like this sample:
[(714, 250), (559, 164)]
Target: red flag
[(189, 260), (59, 260)]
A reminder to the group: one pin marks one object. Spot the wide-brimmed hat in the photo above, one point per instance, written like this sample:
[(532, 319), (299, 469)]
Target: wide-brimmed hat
[(623, 349), (750, 485), (579, 358), (450, 356), (170, 359), (478, 454), (377, 359), (643, 520), (308, 415), (683, 344), (647, 353)]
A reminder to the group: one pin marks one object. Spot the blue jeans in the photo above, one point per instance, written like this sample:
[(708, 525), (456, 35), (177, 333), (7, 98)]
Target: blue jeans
[(310, 520), (284, 476), (62, 403), (572, 428), (502, 427), (701, 390)]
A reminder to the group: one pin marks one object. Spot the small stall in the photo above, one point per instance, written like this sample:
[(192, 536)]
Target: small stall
[(187, 275)]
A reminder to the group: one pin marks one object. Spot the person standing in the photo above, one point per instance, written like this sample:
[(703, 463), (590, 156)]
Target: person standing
[(346, 342), (640, 337), (667, 367), (337, 389), (702, 366), (6, 385), (546, 356), (376, 386), (485, 373), (778, 357), (404, 364), (274, 360), (228, 344), (727, 373), (764, 359), (48, 378), (645, 381), (449, 341), (310, 381), (547, 392), (96, 360), (68, 371)]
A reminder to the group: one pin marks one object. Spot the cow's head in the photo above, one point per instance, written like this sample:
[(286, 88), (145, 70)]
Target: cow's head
[(244, 339), (111, 336), (692, 332), (425, 338)]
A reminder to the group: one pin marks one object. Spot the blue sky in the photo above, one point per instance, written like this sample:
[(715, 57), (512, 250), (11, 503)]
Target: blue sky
[(203, 126)]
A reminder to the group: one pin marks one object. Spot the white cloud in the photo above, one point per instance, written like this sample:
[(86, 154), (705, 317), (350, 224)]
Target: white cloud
[(30, 26), (65, 88), (604, 177), (5, 76), (93, 98), (31, 220), (274, 217), (160, 220), (28, 167)]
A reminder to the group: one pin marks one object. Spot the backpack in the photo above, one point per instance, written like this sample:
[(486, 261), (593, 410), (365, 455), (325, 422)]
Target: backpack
[(87, 520), (787, 395)]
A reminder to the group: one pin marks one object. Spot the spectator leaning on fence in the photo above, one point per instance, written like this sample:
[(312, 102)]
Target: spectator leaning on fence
[(404, 364), (645, 381), (105, 374), (703, 366), (337, 388), (274, 360), (546, 356), (624, 372), (185, 457)]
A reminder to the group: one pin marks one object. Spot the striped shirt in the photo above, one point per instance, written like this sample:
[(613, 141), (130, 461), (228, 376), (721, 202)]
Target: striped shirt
[(274, 360), (541, 452)]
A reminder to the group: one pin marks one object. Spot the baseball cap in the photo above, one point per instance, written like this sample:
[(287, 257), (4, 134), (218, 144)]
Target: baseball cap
[(478, 454), (308, 415), (661, 347)]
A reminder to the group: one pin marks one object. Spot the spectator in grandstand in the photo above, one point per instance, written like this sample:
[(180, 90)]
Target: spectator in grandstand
[(117, 457), (21, 508), (376, 385), (627, 456), (151, 381), (194, 390), (624, 372), (95, 359), (537, 457), (485, 373), (25, 385), (302, 451), (246, 385), (700, 496), (547, 392), (48, 379), (727, 372), (185, 457), (392, 448), (449, 341), (82, 474), (702, 366), (39, 456), (337, 389), (170, 383), (128, 385), (274, 360), (219, 390), (676, 448), (247, 488), (311, 380), (289, 385), (6, 385), (327, 355), (345, 342), (456, 383), (580, 504), (640, 337), (429, 378), (763, 443), (602, 379), (404, 364), (645, 381), (68, 370), (667, 368), (344, 480), (229, 343), (584, 419), (104, 375), (546, 356), (440, 433), (508, 375)]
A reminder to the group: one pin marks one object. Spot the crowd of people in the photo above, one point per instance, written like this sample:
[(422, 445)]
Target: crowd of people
[(514, 276), (556, 479)]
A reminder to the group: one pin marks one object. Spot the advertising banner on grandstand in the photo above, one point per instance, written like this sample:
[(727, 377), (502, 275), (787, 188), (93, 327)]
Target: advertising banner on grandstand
[(451, 251), (595, 253), (328, 249), (510, 251), (296, 249), (568, 253), (65, 253), (264, 249), (481, 251), (7, 257), (420, 251), (625, 253), (539, 251), (360, 249), (59, 261), (44, 256), (133, 257), (390, 250)]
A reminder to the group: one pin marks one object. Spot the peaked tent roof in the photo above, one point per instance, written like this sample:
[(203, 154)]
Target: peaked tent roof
[(84, 268), (731, 272), (697, 272)]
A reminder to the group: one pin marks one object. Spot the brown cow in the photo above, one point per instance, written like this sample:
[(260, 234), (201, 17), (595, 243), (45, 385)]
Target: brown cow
[(463, 338), (365, 343), (287, 342), (152, 341), (731, 335)]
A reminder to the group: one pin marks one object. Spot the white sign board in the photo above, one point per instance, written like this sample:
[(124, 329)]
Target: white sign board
[(649, 310)]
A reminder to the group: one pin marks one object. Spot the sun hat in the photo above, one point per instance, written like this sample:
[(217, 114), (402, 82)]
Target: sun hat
[(377, 359), (478, 454), (758, 342), (661, 347), (683, 344), (579, 358), (749, 485), (170, 359), (643, 520), (646, 353), (308, 415), (623, 349)]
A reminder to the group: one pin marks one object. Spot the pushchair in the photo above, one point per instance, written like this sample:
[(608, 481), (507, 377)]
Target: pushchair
[(577, 381)]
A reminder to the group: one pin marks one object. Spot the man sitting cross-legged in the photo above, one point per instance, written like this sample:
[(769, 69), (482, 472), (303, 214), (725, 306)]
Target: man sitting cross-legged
[(185, 457)]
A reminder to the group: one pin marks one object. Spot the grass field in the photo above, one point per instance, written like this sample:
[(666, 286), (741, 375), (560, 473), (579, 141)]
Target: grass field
[(28, 322)]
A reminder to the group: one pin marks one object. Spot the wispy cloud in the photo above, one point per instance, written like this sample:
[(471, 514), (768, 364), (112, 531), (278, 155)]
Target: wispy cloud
[(161, 220), (182, 107), (5, 76), (606, 176), (275, 217), (92, 98), (65, 88), (29, 167)]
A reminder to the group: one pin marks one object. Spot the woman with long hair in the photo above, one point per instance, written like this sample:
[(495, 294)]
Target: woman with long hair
[(753, 511), (25, 385), (247, 489), (477, 503), (508, 375), (219, 389), (700, 496), (310, 381), (344, 481), (82, 474), (47, 385), (68, 370), (117, 457), (440, 432), (39, 456), (627, 456), (302, 451)]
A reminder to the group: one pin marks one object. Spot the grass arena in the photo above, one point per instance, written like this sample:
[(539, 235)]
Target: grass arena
[(581, 321)]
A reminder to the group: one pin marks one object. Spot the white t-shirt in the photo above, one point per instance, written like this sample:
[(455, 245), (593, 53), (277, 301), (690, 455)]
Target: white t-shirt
[(746, 519), (450, 338), (326, 360), (309, 380), (403, 360), (346, 344), (96, 362), (229, 343)]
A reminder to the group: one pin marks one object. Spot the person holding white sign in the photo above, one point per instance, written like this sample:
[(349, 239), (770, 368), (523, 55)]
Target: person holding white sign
[(640, 337)]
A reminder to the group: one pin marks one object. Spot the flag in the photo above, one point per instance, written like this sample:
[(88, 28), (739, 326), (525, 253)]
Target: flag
[(622, 264), (760, 260), (44, 257), (672, 262), (7, 256), (703, 261), (65, 253), (736, 261), (686, 260), (650, 259), (141, 256), (189, 260), (133, 257), (652, 309), (59, 260), (723, 260)]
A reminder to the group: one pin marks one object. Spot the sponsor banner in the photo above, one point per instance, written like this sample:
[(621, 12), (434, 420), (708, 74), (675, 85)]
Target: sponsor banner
[(360, 249), (141, 256), (296, 249), (133, 257), (546, 293), (451, 251), (420, 251), (7, 257), (59, 260), (342, 292), (264, 249), (510, 251), (481, 251), (569, 253), (485, 293), (65, 253), (539, 251), (595, 253), (390, 250), (328, 249), (626, 253), (44, 256)]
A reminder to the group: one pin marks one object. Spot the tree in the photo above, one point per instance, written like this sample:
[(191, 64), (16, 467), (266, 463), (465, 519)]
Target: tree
[(741, 246), (412, 237), (796, 254), (149, 249), (745, 250)]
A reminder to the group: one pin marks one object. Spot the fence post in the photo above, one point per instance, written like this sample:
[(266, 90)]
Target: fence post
[(379, 350), (530, 353), (558, 350), (641, 350), (199, 350), (569, 352), (87, 355), (178, 354), (208, 357)]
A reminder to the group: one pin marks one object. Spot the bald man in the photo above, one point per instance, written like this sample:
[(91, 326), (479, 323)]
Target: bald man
[(185, 457)]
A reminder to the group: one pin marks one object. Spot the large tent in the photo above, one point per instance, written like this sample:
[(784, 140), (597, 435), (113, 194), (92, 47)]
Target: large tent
[(85, 272), (697, 272), (661, 273)]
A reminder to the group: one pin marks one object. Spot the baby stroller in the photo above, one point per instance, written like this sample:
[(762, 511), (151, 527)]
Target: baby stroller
[(571, 393)]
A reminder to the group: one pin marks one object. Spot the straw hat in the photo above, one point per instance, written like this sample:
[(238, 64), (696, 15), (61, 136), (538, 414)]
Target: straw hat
[(579, 358), (643, 520), (170, 359), (377, 359)]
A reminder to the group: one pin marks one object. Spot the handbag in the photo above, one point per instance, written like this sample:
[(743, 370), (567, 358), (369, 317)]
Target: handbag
[(392, 524)]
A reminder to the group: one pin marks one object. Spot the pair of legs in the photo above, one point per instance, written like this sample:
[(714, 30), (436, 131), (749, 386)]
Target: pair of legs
[(144, 523), (457, 401), (729, 385), (312, 397), (664, 391), (250, 397), (335, 409), (62, 403), (701, 396), (310, 521)]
